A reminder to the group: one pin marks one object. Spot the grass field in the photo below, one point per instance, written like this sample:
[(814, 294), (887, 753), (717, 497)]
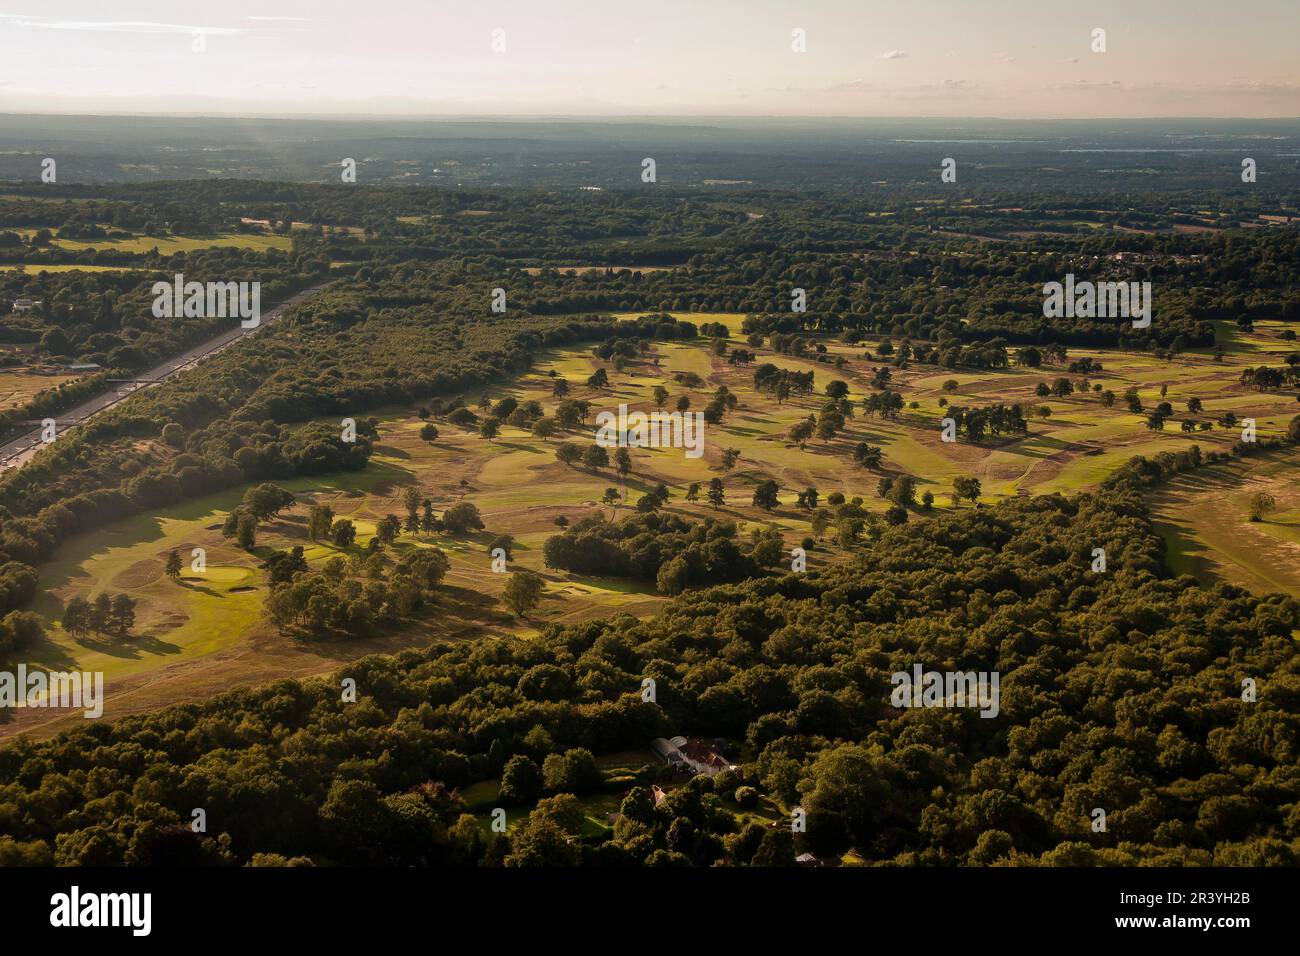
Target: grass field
[(1204, 519), (19, 385), (203, 634), (167, 245)]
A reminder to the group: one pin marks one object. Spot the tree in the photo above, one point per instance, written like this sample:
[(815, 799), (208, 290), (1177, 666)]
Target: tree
[(766, 495), (717, 495), (1260, 504), (544, 428), (660, 395), (20, 630), (123, 614), (343, 533), (965, 487), (246, 531), (521, 781), (387, 529), (505, 542), (868, 456), (902, 491), (101, 613), (573, 771), (489, 427), (173, 568), (1029, 357), (622, 462), (829, 425), (174, 435), (266, 500), (777, 847), (542, 843), (801, 431), (462, 517), (693, 491), (411, 499), (568, 453), (429, 432), (429, 522), (76, 616), (523, 591), (319, 520), (611, 497), (560, 388), (595, 458), (598, 379)]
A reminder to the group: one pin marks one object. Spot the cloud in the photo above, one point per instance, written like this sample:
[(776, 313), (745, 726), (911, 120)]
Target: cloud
[(945, 88), (1076, 85), (893, 54), (124, 26)]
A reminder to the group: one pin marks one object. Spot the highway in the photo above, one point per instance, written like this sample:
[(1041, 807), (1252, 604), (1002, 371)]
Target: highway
[(18, 452)]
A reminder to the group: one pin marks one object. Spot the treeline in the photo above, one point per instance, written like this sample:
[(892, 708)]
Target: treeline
[(674, 552)]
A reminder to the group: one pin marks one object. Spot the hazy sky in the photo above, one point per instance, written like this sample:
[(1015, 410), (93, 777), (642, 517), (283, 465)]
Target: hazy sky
[(1012, 58)]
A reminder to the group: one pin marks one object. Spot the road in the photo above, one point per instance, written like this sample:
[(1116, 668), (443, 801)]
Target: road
[(18, 452)]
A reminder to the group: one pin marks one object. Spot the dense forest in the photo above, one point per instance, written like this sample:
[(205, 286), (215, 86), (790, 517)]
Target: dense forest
[(1120, 691)]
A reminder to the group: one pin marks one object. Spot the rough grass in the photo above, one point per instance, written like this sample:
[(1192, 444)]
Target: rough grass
[(167, 245), (201, 635)]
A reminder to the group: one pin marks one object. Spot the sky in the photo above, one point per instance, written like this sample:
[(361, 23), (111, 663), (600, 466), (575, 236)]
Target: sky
[(860, 58)]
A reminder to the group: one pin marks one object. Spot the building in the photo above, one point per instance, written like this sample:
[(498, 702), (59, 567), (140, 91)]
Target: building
[(668, 751), (692, 755), (26, 305)]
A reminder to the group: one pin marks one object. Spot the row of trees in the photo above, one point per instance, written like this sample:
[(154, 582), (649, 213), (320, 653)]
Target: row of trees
[(105, 614)]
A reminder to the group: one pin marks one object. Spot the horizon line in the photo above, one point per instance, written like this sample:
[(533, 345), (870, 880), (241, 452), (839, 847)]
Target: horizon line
[(624, 117)]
